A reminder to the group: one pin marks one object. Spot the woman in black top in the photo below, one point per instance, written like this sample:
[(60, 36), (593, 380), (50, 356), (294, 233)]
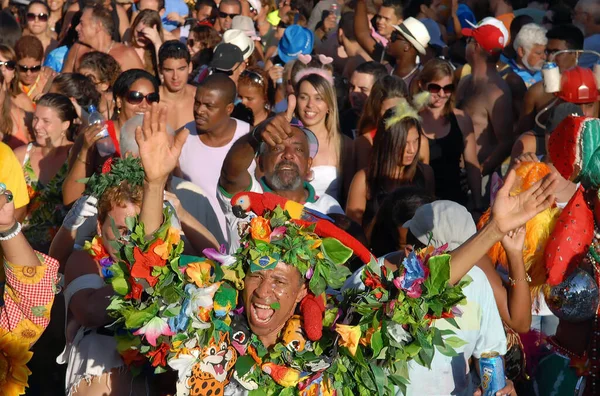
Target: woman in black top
[(449, 132)]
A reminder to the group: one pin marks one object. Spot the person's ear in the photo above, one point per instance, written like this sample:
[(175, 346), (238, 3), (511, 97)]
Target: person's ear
[(65, 126), (103, 86), (520, 52), (302, 293), (309, 168), (230, 108)]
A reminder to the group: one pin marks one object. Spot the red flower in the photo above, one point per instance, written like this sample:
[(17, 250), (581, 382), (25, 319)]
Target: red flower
[(107, 166), (158, 357), (144, 262), (133, 357), (136, 290), (374, 282), (445, 315)]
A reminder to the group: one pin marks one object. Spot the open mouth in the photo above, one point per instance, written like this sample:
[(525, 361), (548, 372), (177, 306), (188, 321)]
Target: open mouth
[(261, 313), (219, 369)]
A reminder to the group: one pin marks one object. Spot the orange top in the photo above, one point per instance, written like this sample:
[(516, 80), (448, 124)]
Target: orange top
[(506, 19)]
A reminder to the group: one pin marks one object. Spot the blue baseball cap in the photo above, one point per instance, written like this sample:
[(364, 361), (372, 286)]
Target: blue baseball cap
[(296, 40)]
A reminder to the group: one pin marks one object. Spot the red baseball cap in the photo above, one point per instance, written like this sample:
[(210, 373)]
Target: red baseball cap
[(490, 34)]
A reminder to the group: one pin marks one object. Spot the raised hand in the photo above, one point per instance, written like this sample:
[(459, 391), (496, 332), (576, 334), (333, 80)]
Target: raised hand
[(514, 241), (84, 208), (511, 212), (278, 128), (158, 152)]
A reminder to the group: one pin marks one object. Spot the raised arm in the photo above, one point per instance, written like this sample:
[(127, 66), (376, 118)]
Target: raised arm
[(159, 157), (470, 156), (502, 124), (362, 28)]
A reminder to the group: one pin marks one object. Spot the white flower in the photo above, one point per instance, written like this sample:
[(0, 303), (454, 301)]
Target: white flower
[(183, 365), (398, 334)]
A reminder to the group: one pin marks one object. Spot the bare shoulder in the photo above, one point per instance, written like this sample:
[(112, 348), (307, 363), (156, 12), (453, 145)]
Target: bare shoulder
[(190, 91), (464, 121)]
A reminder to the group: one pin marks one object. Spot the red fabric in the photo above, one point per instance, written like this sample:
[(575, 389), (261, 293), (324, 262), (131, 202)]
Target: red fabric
[(570, 240), (564, 144), (373, 133), (113, 136)]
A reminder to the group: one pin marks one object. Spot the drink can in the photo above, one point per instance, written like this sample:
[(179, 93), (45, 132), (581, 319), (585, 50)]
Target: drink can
[(551, 77), (491, 367), (280, 79)]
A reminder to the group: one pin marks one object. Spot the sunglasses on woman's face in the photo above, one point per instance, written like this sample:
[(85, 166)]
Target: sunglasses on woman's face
[(435, 88), (33, 69), (135, 97), (224, 15), (42, 17), (10, 65)]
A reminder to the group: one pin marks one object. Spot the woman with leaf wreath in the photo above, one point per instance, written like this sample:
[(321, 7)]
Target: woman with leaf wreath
[(91, 351)]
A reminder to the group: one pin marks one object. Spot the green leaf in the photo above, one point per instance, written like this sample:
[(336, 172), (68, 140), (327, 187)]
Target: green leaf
[(275, 306), (454, 342), (171, 294), (447, 350), (130, 222), (244, 365), (439, 267), (437, 337), (135, 318), (335, 251), (338, 275), (376, 342), (380, 378)]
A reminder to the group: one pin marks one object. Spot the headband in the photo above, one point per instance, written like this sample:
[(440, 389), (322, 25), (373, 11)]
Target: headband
[(405, 110), (314, 70), (325, 60)]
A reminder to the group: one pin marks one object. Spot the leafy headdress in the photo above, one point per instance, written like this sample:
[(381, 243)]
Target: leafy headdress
[(114, 172)]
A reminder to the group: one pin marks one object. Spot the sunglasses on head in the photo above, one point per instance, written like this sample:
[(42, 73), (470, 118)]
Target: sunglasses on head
[(226, 72), (436, 88), (42, 17), (10, 65), (33, 69), (226, 15), (254, 76), (135, 97)]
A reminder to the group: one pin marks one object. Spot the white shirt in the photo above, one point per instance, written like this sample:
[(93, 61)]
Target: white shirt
[(324, 204)]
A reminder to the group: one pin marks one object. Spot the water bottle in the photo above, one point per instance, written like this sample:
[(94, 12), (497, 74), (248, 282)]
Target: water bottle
[(280, 79), (104, 145)]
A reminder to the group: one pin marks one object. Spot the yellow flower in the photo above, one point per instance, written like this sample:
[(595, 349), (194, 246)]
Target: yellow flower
[(14, 355), (350, 336), (260, 229), (173, 238), (29, 275), (199, 273), (317, 244), (27, 331)]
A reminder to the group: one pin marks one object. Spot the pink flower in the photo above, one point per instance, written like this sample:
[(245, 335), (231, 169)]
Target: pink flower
[(155, 328), (220, 256), (278, 233)]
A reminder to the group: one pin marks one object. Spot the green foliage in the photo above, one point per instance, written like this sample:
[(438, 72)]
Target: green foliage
[(128, 168)]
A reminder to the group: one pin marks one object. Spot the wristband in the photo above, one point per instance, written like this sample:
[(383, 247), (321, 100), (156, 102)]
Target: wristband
[(11, 232)]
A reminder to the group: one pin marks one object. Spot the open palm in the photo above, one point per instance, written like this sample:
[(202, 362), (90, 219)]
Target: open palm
[(159, 153), (510, 212)]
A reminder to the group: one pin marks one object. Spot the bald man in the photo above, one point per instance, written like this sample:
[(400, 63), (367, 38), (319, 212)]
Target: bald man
[(212, 134)]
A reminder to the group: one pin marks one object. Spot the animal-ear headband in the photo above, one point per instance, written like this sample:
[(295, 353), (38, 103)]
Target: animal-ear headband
[(405, 110), (315, 70), (325, 60)]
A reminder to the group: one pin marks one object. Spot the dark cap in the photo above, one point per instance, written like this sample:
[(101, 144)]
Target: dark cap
[(226, 56)]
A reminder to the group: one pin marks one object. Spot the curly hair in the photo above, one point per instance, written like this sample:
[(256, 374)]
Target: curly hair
[(118, 196), (104, 65)]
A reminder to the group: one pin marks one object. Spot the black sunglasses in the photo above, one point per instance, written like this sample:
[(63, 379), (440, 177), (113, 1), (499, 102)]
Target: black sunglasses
[(254, 76), (135, 97), (252, 9), (395, 36), (225, 15), (10, 65), (436, 88), (33, 69), (42, 17), (226, 72)]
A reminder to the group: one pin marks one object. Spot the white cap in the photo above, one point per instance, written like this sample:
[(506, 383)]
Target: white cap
[(240, 40), (415, 32)]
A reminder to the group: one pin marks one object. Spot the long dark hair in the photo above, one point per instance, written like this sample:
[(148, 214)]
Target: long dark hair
[(6, 121), (384, 88), (388, 145), (64, 108)]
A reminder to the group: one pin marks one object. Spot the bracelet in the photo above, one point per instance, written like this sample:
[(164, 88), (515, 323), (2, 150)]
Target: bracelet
[(11, 232), (83, 161), (514, 281)]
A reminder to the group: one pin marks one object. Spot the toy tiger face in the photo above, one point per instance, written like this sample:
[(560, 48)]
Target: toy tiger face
[(293, 335), (211, 373)]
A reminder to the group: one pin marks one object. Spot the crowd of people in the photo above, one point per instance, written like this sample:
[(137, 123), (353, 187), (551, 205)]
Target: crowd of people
[(469, 126)]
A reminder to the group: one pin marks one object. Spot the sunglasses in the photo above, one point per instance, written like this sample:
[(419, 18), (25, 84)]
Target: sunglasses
[(435, 88), (33, 69), (253, 10), (41, 17), (135, 97), (10, 65), (224, 15), (254, 76), (226, 72)]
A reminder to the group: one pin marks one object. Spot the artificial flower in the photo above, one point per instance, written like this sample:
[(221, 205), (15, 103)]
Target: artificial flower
[(145, 262), (184, 363), (158, 357), (180, 322), (260, 229), (164, 249), (200, 297), (350, 336), (277, 234), (95, 248), (220, 256), (155, 328), (133, 357), (373, 282), (199, 272), (14, 355), (366, 340), (135, 290), (412, 277), (398, 334)]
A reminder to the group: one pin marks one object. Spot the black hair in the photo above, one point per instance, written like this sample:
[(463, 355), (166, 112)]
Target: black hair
[(412, 8), (203, 3), (43, 3), (347, 25), (129, 77), (173, 49), (231, 2), (222, 83), (517, 23), (64, 108), (372, 68), (396, 5), (72, 36), (570, 34), (79, 87), (10, 30)]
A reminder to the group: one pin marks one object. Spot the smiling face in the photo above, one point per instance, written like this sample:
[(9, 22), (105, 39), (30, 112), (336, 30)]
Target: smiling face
[(7, 73), (282, 285), (129, 109), (30, 70), (311, 108), (37, 19), (211, 109), (412, 147), (441, 97), (360, 89), (175, 74), (226, 14), (48, 128), (287, 165)]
